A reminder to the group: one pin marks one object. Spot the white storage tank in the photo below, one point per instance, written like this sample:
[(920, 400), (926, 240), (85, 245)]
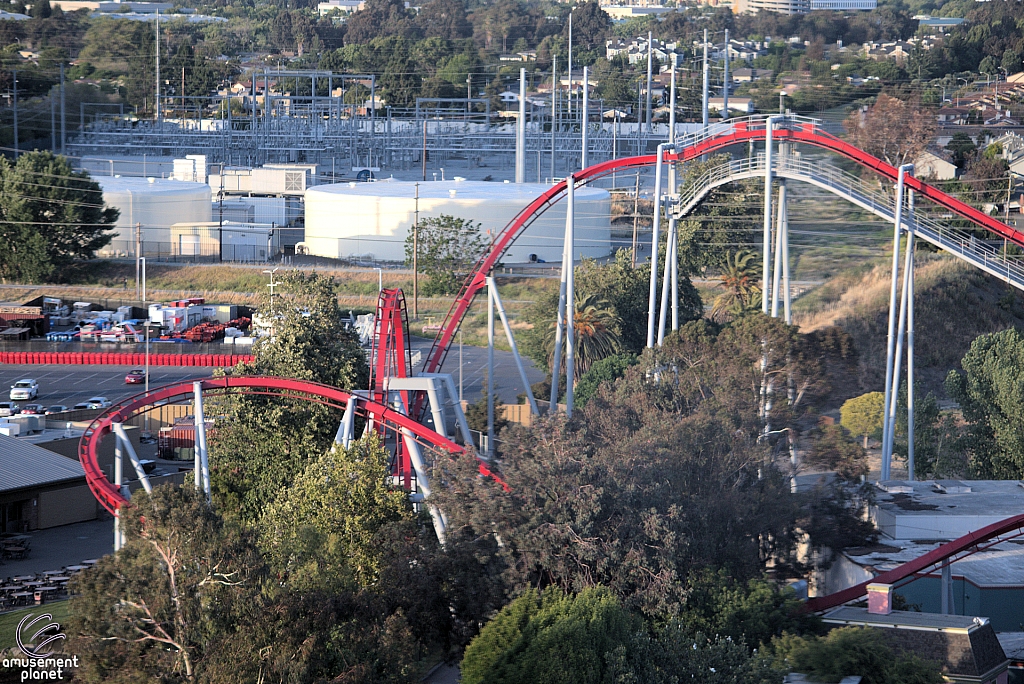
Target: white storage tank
[(372, 220), (155, 204)]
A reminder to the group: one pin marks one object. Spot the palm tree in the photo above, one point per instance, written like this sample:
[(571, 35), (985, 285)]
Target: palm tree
[(596, 327), (740, 281)]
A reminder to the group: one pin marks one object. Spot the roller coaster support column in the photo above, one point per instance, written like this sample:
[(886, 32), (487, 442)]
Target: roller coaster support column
[(672, 185), (347, 429), (910, 339), (521, 130), (890, 360), (201, 453), (570, 295), (704, 99), (766, 264), (655, 231), (725, 79), (780, 239), (490, 378), (126, 444), (556, 364), (492, 291), (584, 114), (118, 480)]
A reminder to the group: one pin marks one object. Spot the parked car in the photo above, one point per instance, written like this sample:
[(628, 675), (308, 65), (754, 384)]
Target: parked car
[(8, 408), (32, 409), (56, 408), (136, 376), (97, 402), (24, 390), (82, 406)]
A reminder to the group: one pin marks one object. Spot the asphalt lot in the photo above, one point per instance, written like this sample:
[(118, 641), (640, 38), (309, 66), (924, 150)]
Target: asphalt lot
[(69, 385)]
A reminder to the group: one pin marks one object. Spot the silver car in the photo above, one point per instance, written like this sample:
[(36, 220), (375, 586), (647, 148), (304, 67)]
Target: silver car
[(8, 408), (23, 390)]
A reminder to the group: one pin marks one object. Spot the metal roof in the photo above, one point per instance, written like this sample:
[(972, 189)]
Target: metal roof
[(24, 465), (905, 619)]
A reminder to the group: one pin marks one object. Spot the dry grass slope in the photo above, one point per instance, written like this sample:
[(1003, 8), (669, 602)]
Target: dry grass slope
[(954, 304)]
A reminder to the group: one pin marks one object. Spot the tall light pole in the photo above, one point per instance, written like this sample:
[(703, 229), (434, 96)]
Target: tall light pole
[(415, 258)]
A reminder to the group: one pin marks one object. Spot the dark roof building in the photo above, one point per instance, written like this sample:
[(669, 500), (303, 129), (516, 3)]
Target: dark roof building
[(40, 489)]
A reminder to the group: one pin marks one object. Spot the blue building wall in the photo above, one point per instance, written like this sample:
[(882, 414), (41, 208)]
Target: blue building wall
[(1003, 606)]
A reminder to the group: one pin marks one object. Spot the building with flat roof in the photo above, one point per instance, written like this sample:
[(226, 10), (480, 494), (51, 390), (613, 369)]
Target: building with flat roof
[(40, 489), (843, 5), (778, 6), (966, 647)]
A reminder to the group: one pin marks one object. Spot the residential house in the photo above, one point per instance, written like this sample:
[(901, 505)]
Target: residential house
[(746, 75), (935, 163), (740, 105)]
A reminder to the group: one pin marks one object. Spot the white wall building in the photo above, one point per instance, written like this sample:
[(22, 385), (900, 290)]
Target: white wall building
[(372, 220)]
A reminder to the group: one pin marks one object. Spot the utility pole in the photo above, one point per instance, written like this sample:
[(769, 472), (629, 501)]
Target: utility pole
[(415, 258), (705, 98), (554, 110), (725, 80), (569, 69), (424, 155), (636, 214), (14, 103), (650, 58), (63, 130), (157, 108)]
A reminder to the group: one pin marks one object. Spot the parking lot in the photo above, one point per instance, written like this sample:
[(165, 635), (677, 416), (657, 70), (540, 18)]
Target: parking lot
[(69, 385)]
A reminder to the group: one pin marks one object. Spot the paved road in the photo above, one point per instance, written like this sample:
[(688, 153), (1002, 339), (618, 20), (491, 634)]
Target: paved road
[(69, 385), (508, 385)]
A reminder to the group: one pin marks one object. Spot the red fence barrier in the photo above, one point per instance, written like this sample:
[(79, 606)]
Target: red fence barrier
[(122, 359)]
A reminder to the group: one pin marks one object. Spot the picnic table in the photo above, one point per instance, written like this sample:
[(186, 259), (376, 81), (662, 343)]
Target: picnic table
[(22, 595), (91, 561), (24, 578), (59, 579), (14, 551), (75, 568)]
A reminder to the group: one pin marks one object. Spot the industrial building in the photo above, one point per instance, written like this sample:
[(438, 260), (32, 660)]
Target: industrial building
[(152, 205), (40, 489), (916, 517), (372, 220)]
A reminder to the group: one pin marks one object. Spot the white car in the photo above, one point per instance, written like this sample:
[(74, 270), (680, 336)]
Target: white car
[(8, 408), (24, 390), (97, 402)]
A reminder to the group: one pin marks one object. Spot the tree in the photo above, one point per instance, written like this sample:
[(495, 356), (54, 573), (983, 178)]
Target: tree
[(740, 280), (323, 531), (834, 450), (863, 415), (156, 609), (50, 215), (891, 129), (553, 637), (590, 25), (607, 370), (990, 392), (262, 444), (859, 651), (962, 147), (596, 330), (444, 19), (447, 249), (379, 18)]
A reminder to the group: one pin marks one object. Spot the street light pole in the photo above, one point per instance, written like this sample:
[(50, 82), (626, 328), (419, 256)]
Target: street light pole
[(415, 258)]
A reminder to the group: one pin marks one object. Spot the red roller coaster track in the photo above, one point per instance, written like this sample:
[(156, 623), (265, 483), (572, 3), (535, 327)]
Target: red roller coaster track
[(111, 499), (743, 131)]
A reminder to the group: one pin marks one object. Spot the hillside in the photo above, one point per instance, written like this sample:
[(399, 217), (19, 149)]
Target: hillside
[(954, 304)]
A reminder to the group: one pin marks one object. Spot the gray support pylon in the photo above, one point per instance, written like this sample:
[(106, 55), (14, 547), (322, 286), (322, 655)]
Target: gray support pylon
[(556, 362), (136, 463), (777, 270), (584, 114), (672, 109), (897, 368), (652, 302), (725, 80), (891, 339), (118, 481), (460, 416), (346, 431), (521, 130), (910, 338), (766, 263), (673, 256), (650, 56), (946, 589), (422, 482), (200, 418), (492, 290), (490, 377), (666, 281), (570, 297), (704, 98), (436, 407), (787, 292)]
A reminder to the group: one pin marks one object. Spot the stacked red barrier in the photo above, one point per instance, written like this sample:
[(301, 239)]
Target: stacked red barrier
[(122, 359)]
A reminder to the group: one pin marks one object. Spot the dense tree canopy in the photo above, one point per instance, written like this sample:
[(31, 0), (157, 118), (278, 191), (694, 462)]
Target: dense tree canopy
[(50, 215)]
